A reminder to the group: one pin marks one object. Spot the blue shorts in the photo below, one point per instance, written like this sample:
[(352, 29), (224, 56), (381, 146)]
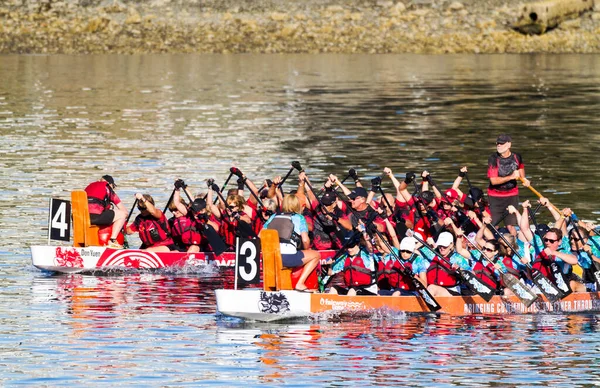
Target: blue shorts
[(292, 260)]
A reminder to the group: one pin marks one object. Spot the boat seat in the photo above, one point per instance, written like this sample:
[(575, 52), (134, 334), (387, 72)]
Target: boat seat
[(275, 275), (84, 233)]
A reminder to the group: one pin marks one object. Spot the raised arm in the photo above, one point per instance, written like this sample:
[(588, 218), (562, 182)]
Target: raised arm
[(524, 224), (177, 202)]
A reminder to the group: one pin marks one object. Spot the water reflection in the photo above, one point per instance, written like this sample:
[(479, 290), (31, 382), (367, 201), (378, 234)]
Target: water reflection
[(419, 350)]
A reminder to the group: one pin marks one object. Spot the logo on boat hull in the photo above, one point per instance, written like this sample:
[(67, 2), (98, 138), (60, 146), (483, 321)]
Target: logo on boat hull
[(273, 303), (68, 257), (132, 259)]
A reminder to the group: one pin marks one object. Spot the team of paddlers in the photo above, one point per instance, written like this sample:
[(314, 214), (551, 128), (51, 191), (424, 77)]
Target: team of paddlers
[(385, 241)]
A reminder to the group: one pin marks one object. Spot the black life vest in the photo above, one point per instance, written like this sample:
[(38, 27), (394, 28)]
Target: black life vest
[(284, 226)]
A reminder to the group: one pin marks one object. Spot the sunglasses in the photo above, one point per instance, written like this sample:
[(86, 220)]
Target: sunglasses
[(445, 247), (500, 143), (407, 252), (489, 249), (549, 240), (575, 239), (231, 207)]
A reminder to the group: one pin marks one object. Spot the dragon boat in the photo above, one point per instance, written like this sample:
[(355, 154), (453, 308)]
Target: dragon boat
[(89, 253), (277, 300)]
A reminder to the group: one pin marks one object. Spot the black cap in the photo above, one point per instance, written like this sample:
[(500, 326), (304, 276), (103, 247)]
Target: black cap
[(542, 229), (475, 194), (351, 239), (504, 138), (328, 198), (358, 192), (427, 196), (109, 179), (198, 205)]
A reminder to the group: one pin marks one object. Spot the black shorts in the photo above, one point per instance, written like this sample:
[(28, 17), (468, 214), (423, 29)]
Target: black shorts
[(498, 206), (292, 260), (102, 219)]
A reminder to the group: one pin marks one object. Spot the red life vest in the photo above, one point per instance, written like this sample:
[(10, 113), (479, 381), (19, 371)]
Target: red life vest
[(227, 231), (441, 273), (153, 232), (98, 193), (486, 274), (391, 274), (510, 269), (183, 228), (542, 264), (356, 273)]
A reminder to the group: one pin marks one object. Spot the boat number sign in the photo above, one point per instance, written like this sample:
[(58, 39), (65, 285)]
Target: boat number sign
[(248, 265), (59, 225)]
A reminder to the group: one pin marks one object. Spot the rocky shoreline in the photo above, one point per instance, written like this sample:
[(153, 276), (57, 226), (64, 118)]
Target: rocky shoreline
[(316, 26)]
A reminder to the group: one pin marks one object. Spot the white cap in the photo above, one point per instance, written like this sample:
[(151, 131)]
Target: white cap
[(444, 239), (408, 244)]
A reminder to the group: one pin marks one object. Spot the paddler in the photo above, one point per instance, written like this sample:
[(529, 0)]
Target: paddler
[(356, 265), (442, 278), (151, 224), (106, 208)]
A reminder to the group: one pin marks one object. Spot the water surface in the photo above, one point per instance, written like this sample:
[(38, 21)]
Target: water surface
[(146, 120)]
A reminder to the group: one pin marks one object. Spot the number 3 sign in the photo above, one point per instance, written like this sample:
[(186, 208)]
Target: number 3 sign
[(247, 262)]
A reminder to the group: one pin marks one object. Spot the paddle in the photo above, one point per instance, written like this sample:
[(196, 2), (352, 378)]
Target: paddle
[(231, 173), (522, 292), (543, 283), (421, 290), (280, 185), (580, 237), (124, 228), (351, 172), (214, 240), (178, 183), (467, 277), (537, 193)]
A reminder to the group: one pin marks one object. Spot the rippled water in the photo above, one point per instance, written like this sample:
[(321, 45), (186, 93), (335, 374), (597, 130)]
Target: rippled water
[(66, 120)]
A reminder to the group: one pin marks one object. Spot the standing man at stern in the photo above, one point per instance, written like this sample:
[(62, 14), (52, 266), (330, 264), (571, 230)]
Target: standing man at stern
[(504, 169)]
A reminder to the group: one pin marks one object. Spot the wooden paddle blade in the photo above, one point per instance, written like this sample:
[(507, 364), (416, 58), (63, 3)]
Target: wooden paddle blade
[(476, 285), (215, 241), (522, 292), (429, 300), (546, 287), (561, 283)]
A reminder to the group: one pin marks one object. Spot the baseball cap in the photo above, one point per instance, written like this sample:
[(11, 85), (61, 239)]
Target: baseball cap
[(408, 244), (358, 192), (328, 198), (451, 194), (198, 205), (504, 138), (427, 196), (109, 179), (444, 239)]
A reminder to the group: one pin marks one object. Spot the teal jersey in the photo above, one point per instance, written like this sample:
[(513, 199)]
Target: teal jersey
[(455, 258)]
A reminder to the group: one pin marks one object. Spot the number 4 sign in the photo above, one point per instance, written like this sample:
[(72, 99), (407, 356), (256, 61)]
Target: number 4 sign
[(59, 227), (247, 262)]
